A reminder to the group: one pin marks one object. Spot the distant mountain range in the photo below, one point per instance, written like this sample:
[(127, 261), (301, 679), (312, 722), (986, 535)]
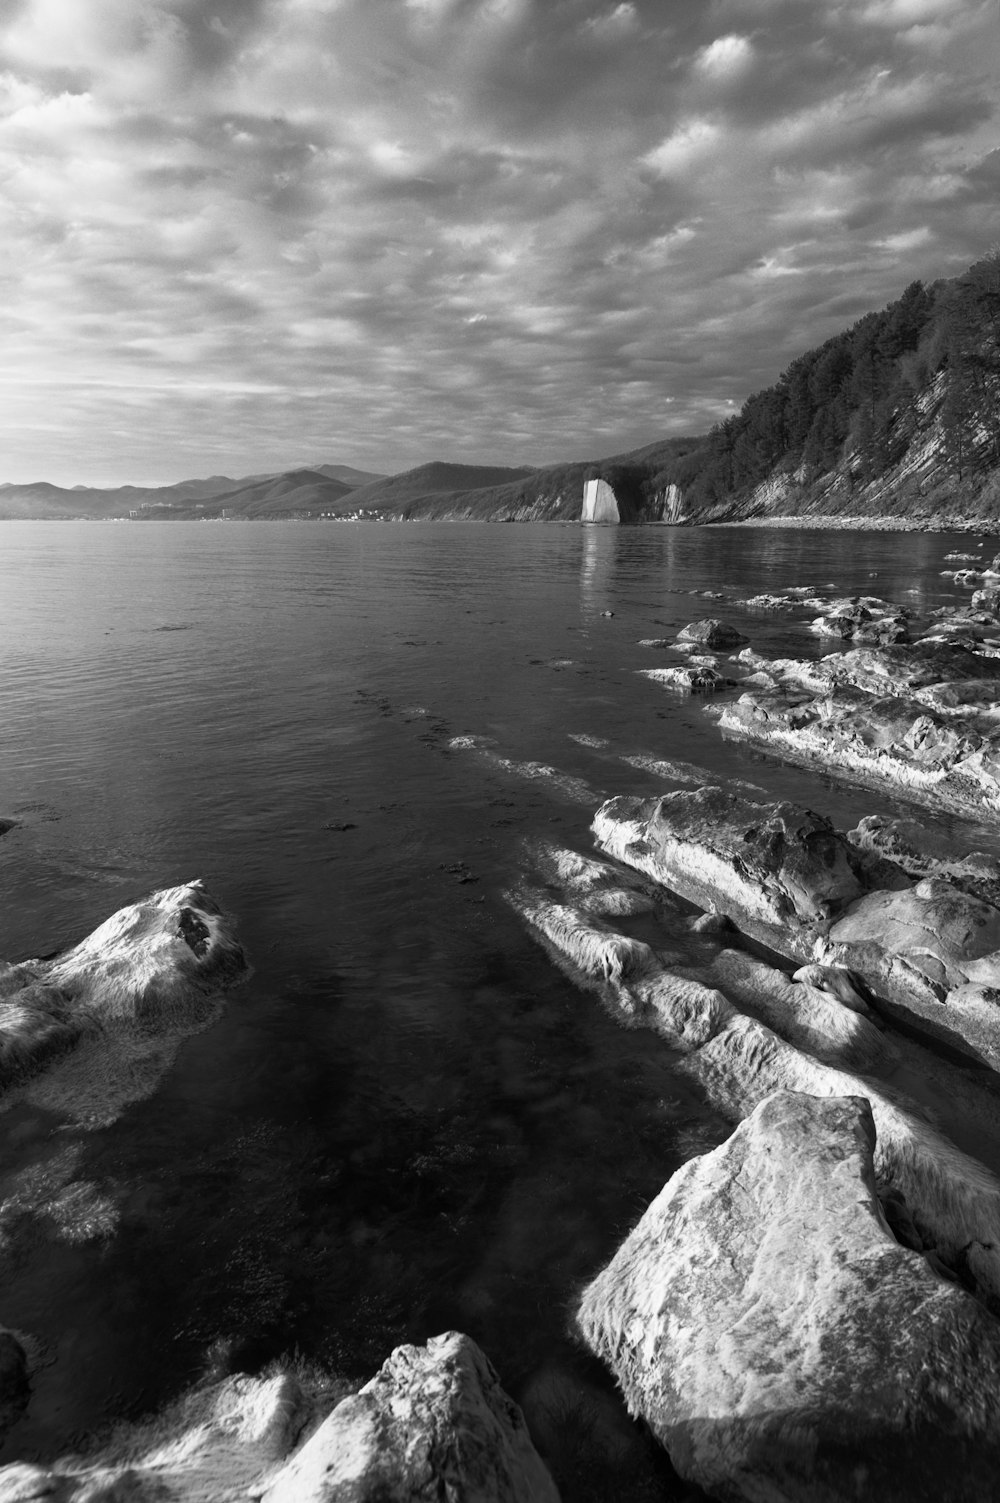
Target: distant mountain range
[(301, 493)]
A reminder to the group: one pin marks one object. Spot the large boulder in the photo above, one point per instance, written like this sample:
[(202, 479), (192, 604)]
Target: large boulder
[(778, 870), (433, 1424), (764, 1323)]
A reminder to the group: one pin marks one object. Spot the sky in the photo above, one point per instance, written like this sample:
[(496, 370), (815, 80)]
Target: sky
[(242, 235)]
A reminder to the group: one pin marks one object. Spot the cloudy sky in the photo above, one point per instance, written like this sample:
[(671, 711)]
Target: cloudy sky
[(237, 235)]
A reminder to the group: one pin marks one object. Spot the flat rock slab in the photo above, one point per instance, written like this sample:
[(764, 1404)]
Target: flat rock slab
[(778, 870), (778, 1341)]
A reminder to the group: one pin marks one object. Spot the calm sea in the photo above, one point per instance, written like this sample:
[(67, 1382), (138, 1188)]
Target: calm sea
[(409, 1120)]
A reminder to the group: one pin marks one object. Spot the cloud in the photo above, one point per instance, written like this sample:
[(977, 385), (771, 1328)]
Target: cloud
[(244, 232), (726, 57)]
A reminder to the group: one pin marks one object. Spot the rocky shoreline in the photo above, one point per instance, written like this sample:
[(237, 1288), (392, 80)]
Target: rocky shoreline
[(809, 1312), (871, 522)]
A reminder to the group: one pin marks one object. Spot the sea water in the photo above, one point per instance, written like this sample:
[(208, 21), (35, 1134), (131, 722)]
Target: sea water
[(409, 1120)]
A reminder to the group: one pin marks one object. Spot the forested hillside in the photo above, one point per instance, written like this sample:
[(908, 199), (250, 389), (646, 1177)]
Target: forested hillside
[(899, 414), (845, 417)]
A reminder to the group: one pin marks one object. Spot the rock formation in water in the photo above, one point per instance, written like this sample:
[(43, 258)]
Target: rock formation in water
[(434, 1423), (150, 966), (781, 1344), (748, 1030), (779, 870), (917, 718), (600, 503)]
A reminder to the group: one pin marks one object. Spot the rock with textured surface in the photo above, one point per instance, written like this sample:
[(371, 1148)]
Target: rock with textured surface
[(931, 952), (433, 1424), (149, 966), (778, 1341), (712, 633), (778, 870)]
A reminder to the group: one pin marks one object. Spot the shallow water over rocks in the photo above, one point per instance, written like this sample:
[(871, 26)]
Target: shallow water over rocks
[(409, 1120)]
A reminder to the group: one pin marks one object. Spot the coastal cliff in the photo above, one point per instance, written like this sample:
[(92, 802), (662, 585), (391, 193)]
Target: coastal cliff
[(893, 423)]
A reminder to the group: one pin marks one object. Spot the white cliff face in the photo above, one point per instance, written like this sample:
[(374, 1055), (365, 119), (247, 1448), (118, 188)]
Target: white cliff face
[(599, 502), (777, 1339)]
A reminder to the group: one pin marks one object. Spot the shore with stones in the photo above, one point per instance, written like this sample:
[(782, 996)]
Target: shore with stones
[(808, 1312)]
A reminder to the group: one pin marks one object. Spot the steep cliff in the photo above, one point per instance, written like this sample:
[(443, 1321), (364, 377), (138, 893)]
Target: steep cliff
[(896, 419), (894, 422)]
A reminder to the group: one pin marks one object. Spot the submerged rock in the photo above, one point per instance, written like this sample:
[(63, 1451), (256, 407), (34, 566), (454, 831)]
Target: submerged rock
[(764, 1323)]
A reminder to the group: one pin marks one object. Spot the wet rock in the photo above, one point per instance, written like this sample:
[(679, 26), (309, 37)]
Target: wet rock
[(153, 963), (433, 1424), (693, 678), (598, 886), (923, 850), (739, 1060), (933, 953), (712, 633), (945, 759), (775, 869), (818, 1009), (780, 1343)]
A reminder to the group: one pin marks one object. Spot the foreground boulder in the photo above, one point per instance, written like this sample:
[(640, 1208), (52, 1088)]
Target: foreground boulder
[(782, 1346), (150, 965), (779, 870), (433, 1424)]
